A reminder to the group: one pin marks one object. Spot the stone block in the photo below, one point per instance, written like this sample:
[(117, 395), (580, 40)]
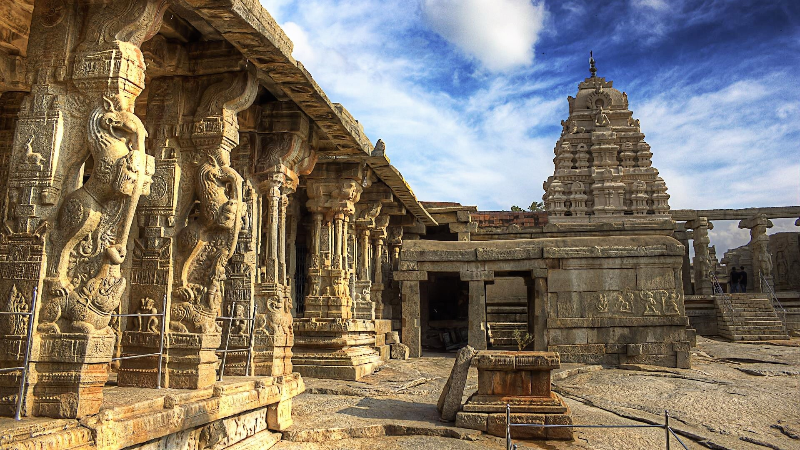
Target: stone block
[(450, 399), (496, 425), (650, 278), (410, 276), (583, 280), (384, 351), (399, 351), (472, 420), (279, 415), (407, 265), (392, 337), (683, 360), (559, 419)]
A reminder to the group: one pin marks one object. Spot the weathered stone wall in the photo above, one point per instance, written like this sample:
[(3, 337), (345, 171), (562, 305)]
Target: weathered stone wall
[(609, 300)]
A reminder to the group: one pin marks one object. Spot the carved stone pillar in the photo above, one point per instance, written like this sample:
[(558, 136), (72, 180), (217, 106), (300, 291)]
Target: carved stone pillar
[(330, 343), (284, 153), (68, 238), (378, 260), (152, 269), (759, 251), (686, 271), (702, 262), (363, 307), (213, 212)]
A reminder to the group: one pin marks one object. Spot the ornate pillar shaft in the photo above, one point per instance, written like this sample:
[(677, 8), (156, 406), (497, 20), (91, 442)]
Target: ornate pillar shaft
[(702, 262), (759, 252), (86, 70)]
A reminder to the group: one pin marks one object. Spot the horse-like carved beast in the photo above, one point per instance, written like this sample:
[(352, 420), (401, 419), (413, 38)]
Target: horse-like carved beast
[(84, 284)]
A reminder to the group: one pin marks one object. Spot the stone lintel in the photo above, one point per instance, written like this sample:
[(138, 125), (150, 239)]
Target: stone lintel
[(411, 276), (476, 275)]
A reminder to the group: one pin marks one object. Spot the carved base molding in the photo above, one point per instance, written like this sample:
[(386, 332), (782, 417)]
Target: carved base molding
[(70, 373), (336, 349), (272, 355), (330, 306), (139, 372), (12, 351), (190, 360), (230, 415)]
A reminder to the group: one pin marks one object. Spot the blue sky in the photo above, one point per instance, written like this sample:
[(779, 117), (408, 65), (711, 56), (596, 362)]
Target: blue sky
[(468, 95)]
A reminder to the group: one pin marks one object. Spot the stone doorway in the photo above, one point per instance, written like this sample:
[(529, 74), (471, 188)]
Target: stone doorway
[(507, 311), (444, 311)]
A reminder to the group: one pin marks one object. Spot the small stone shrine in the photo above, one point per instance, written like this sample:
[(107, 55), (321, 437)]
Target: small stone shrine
[(521, 380)]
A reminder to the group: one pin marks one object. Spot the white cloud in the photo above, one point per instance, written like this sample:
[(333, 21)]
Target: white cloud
[(501, 34), (659, 5), (726, 148)]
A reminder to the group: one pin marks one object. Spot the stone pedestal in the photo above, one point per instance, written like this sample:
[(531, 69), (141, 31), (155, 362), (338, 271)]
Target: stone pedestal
[(272, 355), (521, 380), (71, 370), (140, 372), (190, 360), (335, 348)]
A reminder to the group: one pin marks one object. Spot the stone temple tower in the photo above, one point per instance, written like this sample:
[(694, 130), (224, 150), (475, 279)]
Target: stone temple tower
[(603, 168)]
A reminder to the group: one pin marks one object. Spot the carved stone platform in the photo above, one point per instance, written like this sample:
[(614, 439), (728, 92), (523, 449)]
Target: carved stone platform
[(521, 380), (238, 413), (339, 349)]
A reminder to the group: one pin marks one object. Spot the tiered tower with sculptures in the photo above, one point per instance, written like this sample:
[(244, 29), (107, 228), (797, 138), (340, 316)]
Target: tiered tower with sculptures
[(603, 166)]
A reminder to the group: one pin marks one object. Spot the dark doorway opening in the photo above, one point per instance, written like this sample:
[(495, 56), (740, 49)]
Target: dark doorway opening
[(444, 310)]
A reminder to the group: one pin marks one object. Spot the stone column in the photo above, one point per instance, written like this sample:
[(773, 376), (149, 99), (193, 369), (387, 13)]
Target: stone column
[(152, 268), (683, 237), (206, 243), (411, 330), (284, 153), (702, 262), (378, 281), (330, 342), (86, 70), (477, 315), (537, 308), (477, 306), (759, 252)]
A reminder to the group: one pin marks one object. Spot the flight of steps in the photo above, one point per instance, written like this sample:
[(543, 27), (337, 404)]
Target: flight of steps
[(750, 317), (503, 316)]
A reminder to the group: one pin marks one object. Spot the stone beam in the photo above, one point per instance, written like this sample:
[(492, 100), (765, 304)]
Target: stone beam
[(772, 212)]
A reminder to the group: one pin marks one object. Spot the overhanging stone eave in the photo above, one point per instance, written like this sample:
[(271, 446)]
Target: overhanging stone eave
[(246, 25), (400, 188)]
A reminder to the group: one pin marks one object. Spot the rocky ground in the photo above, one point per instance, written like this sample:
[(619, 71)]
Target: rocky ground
[(736, 396)]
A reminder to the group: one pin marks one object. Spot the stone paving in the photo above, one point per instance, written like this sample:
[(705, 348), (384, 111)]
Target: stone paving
[(737, 396)]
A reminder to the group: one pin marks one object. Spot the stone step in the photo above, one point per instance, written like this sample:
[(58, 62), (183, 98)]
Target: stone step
[(507, 309), (759, 337), (517, 318)]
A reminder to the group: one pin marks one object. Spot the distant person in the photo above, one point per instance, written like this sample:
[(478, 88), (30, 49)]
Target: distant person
[(734, 280), (743, 280)]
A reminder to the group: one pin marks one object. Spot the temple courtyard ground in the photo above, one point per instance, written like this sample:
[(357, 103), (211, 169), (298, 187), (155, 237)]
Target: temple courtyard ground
[(736, 396)]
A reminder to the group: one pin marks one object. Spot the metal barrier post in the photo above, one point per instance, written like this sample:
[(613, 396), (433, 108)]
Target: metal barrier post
[(163, 336), (225, 352), (24, 374), (666, 426), (508, 426), (249, 369)]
